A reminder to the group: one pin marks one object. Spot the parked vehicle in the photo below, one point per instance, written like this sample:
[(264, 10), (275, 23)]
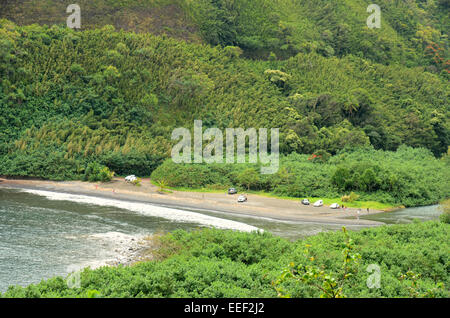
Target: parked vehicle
[(130, 178), (242, 198), (318, 203), (335, 206), (232, 191), (306, 202)]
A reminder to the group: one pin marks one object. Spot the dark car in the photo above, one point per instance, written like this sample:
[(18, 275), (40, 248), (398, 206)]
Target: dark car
[(305, 202), (232, 191)]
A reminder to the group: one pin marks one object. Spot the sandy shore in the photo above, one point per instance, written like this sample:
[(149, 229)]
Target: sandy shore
[(129, 249), (148, 193)]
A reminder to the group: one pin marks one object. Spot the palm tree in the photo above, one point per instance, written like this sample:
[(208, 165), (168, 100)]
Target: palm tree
[(350, 108), (162, 183)]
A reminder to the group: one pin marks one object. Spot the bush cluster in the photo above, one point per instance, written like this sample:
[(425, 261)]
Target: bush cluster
[(214, 263)]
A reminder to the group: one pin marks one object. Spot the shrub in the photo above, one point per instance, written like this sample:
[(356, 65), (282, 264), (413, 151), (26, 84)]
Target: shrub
[(350, 198), (96, 172), (137, 182)]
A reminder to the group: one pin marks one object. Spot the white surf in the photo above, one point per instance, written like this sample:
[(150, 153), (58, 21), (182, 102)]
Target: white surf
[(172, 214)]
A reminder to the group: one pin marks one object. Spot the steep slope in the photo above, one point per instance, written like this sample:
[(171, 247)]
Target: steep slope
[(154, 16), (86, 95), (69, 97), (412, 33)]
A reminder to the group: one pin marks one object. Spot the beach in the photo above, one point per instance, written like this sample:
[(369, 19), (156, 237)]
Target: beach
[(257, 206)]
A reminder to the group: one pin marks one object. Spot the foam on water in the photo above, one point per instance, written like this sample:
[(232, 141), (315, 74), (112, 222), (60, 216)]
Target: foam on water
[(175, 215)]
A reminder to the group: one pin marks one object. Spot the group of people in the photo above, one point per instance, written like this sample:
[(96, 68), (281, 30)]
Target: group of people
[(359, 210)]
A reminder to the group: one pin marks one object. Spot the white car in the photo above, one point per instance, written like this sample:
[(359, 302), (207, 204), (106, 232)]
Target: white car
[(318, 203), (242, 198), (130, 178), (335, 206)]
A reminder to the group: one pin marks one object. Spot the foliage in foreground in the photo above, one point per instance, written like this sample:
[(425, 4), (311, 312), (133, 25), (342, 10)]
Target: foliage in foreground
[(445, 216), (413, 261)]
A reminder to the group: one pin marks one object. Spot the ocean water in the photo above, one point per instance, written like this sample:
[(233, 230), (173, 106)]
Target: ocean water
[(43, 233)]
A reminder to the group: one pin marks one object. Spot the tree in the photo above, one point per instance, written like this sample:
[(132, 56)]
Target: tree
[(249, 177), (279, 78), (341, 177), (96, 172), (369, 180)]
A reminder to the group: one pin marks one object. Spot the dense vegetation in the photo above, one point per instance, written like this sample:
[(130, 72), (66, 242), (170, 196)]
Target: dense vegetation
[(414, 32), (409, 177), (111, 98), (445, 216), (413, 261)]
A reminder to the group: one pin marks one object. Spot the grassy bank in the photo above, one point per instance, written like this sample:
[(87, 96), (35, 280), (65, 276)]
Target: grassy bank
[(413, 261), (327, 201)]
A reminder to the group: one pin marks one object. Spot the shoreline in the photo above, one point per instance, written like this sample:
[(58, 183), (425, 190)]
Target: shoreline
[(256, 206), (128, 249), (134, 250)]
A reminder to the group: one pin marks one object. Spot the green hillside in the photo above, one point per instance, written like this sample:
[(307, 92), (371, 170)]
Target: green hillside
[(285, 27), (312, 68)]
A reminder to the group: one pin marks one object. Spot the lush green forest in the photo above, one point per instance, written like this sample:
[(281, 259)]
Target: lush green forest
[(414, 32), (108, 97), (413, 261)]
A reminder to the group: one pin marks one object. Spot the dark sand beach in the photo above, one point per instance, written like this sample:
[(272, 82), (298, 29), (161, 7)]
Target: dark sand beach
[(260, 206)]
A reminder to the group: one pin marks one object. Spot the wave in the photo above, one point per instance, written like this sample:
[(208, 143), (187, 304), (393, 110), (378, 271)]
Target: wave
[(147, 209)]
